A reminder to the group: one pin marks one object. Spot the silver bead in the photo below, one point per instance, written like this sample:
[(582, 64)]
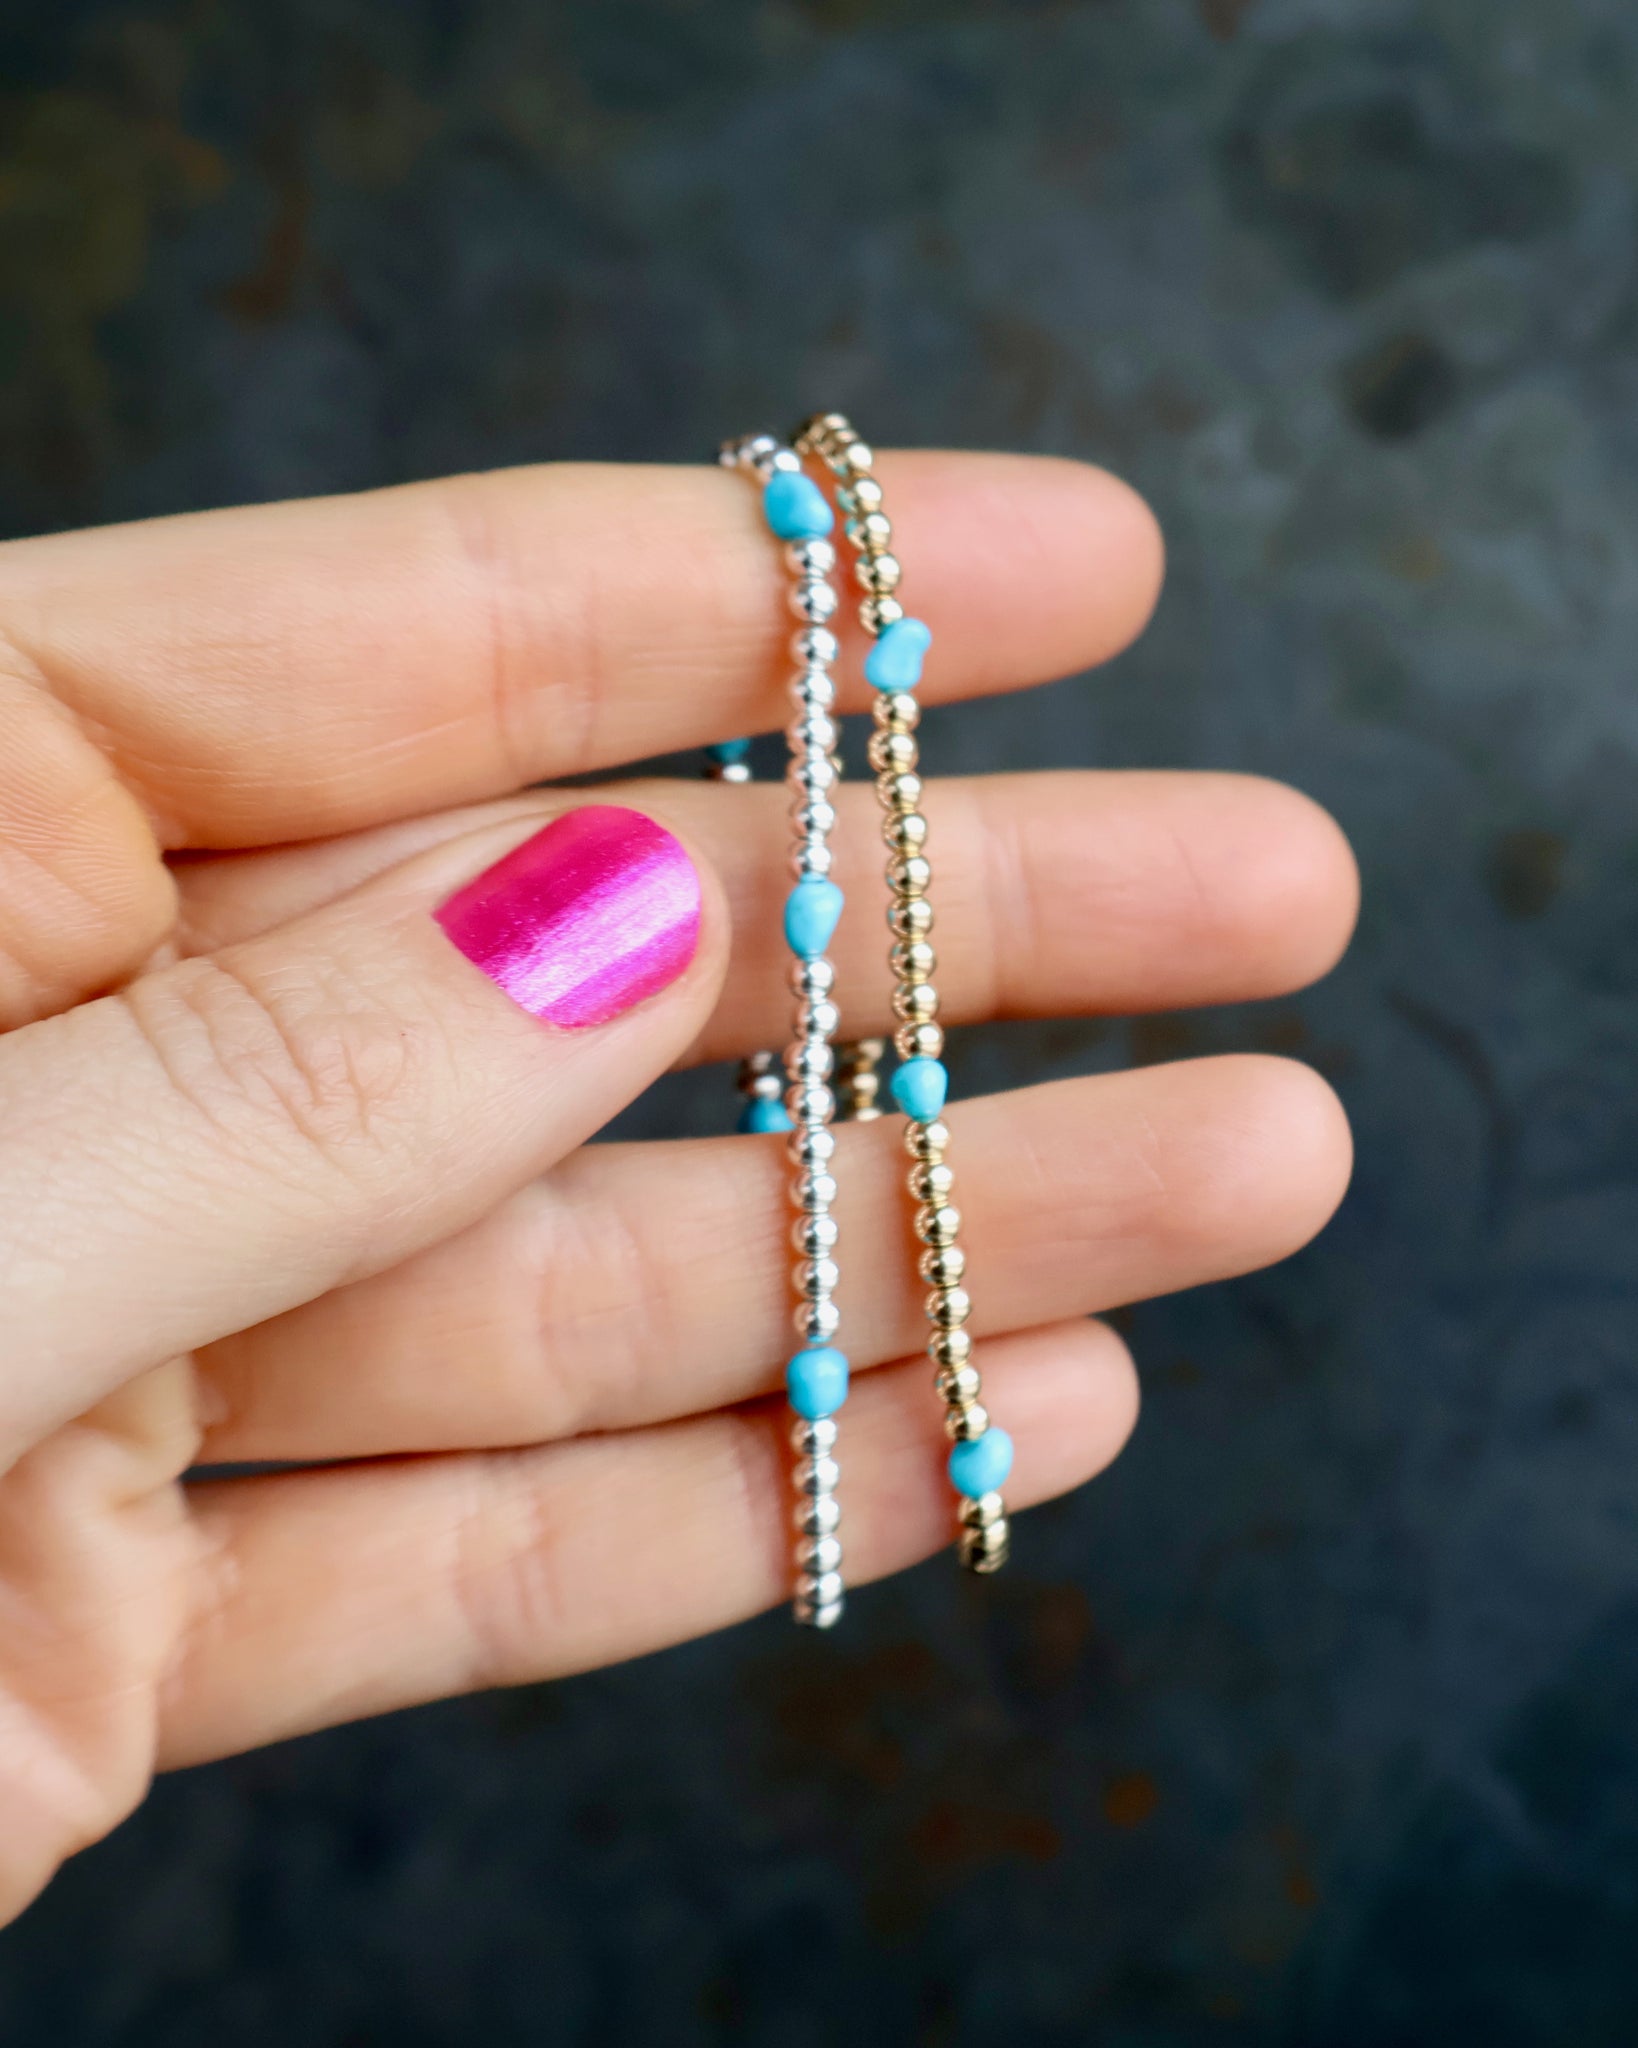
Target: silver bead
[(819, 1590), (814, 647), (813, 775), (816, 1279), (809, 1060), (812, 689), (817, 1617), (785, 459), (813, 600), (816, 1322), (962, 1425), (758, 453), (876, 614), (768, 1087), (813, 817), (810, 1102), (817, 1515), (813, 1439), (819, 1019), (811, 857), (731, 771), (819, 1554), (813, 729), (813, 1235), (814, 1192), (810, 558), (817, 1475), (811, 979), (811, 1144)]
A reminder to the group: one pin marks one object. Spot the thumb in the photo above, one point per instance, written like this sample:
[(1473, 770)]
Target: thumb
[(237, 1134)]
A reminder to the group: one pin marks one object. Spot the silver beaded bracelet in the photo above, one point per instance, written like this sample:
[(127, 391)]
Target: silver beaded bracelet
[(816, 1376)]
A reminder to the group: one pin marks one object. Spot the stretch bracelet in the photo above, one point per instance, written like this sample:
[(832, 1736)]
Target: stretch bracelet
[(816, 1376), (981, 1452)]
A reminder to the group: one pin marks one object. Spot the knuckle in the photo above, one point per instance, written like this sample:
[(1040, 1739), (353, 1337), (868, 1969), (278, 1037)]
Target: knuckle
[(284, 1060)]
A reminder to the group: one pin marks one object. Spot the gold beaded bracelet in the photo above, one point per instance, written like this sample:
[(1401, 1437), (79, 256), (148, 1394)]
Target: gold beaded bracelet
[(981, 1452)]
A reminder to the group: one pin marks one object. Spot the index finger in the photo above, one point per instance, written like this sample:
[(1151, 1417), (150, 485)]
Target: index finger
[(230, 679)]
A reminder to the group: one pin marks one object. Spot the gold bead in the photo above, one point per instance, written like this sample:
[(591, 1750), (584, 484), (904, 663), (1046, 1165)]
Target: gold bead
[(856, 454), (949, 1307), (983, 1513), (912, 919), (878, 573), (893, 754), (916, 1002), (910, 875), (956, 1382), (865, 494), (962, 1424), (899, 793), (919, 1041), (987, 1549), (872, 531), (905, 832), (926, 1142), (932, 1182), (938, 1223), (896, 711), (949, 1349), (914, 962), (943, 1265), (876, 614)]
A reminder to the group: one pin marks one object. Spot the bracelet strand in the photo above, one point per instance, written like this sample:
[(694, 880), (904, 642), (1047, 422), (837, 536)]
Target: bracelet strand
[(981, 1453), (816, 1376)]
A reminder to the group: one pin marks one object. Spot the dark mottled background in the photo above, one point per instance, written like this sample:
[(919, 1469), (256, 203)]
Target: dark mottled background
[(1316, 1722)]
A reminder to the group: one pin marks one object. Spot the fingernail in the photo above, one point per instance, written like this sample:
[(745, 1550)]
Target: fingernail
[(598, 910)]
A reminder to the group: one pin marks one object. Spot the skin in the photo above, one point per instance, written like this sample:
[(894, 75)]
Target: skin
[(285, 1178)]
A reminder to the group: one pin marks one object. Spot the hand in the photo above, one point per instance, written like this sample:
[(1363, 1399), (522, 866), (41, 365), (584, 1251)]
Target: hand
[(309, 1186)]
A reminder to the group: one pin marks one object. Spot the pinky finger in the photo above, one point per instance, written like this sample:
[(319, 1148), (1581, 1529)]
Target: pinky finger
[(356, 1589)]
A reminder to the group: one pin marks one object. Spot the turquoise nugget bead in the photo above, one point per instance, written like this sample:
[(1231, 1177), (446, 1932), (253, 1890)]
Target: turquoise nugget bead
[(811, 911), (816, 1381), (919, 1088), (894, 663), (795, 507), (764, 1116), (982, 1464)]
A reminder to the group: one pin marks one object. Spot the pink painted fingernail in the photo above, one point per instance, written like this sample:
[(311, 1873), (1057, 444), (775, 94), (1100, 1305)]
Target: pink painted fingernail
[(599, 909)]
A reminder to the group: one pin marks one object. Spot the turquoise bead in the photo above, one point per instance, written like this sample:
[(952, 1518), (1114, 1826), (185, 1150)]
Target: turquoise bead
[(816, 1381), (726, 751), (982, 1464), (894, 663), (919, 1088), (795, 507), (764, 1116), (811, 911)]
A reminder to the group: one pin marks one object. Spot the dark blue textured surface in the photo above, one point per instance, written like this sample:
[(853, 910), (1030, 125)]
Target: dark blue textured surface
[(1316, 1722)]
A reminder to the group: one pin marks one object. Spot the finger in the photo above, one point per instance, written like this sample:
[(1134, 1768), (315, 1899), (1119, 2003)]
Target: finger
[(1056, 895), (358, 1589), (642, 1282), (235, 1135), (288, 671)]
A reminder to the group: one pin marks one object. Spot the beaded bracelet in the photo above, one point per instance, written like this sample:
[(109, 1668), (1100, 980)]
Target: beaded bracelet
[(816, 1376), (981, 1452)]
